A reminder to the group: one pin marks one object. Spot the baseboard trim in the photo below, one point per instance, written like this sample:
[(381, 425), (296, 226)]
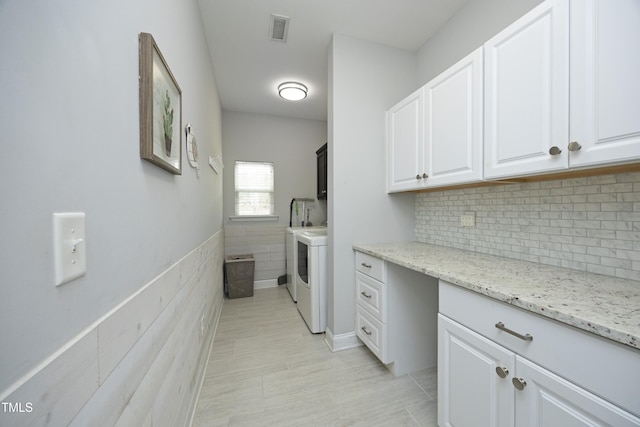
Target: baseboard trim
[(341, 341), (263, 284)]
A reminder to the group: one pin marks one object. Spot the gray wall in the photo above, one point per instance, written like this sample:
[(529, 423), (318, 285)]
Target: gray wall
[(365, 79), (289, 143), (70, 140), (468, 29)]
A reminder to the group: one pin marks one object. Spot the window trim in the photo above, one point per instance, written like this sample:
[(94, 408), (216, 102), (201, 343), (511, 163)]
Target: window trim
[(249, 218)]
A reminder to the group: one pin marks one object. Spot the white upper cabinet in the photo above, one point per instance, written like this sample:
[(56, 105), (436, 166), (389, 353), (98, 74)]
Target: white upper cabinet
[(435, 134), (605, 81), (405, 150), (559, 90), (527, 94), (562, 89), (453, 124)]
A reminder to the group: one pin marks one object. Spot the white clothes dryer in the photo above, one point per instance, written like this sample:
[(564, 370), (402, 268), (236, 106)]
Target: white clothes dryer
[(311, 279), (291, 247)]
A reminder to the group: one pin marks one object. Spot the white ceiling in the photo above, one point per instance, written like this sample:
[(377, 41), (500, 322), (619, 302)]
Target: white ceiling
[(248, 66)]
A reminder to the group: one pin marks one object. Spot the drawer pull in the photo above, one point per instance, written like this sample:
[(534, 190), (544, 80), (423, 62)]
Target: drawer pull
[(365, 265), (526, 337), (502, 371), (364, 294), (519, 383), (364, 329)]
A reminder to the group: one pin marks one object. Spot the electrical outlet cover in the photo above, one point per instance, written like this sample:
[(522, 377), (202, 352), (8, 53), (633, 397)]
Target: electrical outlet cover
[(468, 219)]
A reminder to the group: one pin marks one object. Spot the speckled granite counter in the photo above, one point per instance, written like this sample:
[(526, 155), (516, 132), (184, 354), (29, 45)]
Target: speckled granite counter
[(603, 305)]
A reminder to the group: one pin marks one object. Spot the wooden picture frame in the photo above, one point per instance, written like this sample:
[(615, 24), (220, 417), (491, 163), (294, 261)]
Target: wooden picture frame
[(160, 109)]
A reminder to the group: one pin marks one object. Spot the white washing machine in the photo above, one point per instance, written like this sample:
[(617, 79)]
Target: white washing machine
[(291, 246), (311, 279)]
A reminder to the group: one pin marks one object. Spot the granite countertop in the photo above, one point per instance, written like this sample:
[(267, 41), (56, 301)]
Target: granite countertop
[(603, 305)]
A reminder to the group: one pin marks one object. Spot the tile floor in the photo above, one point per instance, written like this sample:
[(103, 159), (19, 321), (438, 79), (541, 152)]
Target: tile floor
[(267, 369)]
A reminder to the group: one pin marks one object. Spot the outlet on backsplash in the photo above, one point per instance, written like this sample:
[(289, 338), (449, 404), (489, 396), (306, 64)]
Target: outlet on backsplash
[(468, 219)]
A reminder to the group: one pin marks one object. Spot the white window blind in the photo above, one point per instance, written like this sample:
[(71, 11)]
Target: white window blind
[(254, 188)]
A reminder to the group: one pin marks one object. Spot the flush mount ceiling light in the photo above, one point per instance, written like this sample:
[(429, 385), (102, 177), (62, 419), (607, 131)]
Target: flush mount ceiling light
[(292, 91)]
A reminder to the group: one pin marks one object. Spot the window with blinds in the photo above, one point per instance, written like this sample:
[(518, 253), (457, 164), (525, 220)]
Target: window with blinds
[(254, 188)]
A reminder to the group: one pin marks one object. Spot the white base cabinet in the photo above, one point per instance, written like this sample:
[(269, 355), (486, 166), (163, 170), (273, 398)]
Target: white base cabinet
[(550, 400), (502, 366), (396, 314), (470, 394)]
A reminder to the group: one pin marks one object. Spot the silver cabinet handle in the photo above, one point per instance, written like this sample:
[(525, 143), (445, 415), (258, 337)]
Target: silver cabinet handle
[(418, 176), (555, 150), (365, 265), (425, 176), (364, 329), (502, 371), (574, 146), (364, 294), (519, 383), (525, 337)]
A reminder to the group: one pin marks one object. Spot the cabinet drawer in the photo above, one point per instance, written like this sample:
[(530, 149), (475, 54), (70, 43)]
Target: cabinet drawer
[(371, 266), (372, 296), (373, 333), (581, 357)]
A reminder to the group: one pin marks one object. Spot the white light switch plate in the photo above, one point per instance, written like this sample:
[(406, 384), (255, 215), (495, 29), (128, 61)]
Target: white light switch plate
[(70, 246)]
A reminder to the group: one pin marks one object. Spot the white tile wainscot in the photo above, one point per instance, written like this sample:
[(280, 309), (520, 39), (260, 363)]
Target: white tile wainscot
[(140, 364), (266, 243)]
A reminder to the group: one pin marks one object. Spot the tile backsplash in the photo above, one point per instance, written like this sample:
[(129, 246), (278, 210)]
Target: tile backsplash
[(589, 224)]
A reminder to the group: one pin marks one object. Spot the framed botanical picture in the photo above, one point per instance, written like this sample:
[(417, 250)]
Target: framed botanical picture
[(160, 109)]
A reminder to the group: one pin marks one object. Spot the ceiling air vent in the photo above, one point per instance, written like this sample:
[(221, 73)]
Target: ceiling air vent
[(278, 28)]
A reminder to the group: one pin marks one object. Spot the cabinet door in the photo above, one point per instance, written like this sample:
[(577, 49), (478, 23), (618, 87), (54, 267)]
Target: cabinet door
[(470, 392), (453, 123), (548, 400), (527, 94), (405, 144), (321, 156), (605, 87)]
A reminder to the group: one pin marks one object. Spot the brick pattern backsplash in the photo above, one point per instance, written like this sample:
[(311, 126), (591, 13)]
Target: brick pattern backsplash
[(589, 224)]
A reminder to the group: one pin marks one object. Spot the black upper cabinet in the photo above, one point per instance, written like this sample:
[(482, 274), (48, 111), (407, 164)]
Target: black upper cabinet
[(322, 172)]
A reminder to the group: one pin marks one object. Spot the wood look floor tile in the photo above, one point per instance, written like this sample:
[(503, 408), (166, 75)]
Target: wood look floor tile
[(267, 369)]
